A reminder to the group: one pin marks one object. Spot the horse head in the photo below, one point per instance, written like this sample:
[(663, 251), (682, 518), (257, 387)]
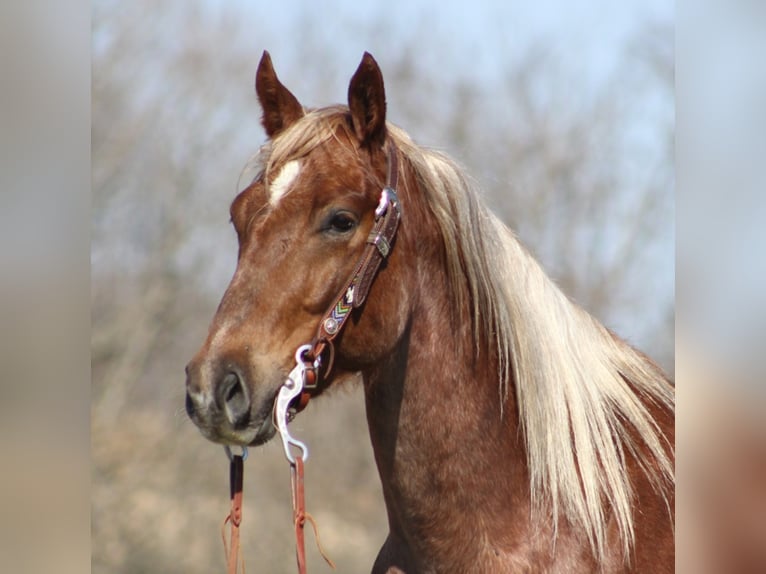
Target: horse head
[(302, 226)]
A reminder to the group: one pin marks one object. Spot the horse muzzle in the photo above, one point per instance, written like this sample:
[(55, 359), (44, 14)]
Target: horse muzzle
[(223, 406)]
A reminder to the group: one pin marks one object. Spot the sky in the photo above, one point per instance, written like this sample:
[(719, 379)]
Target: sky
[(587, 34)]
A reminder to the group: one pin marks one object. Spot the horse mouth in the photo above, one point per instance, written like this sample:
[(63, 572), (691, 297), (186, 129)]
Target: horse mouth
[(258, 433), (265, 432), (215, 427)]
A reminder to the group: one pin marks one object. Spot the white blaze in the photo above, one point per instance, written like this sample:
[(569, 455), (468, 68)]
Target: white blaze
[(283, 181)]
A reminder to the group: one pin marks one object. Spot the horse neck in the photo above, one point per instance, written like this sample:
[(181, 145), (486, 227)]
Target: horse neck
[(446, 451)]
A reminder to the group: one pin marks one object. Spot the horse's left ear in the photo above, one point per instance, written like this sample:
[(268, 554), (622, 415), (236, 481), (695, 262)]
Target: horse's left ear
[(367, 101), (280, 107)]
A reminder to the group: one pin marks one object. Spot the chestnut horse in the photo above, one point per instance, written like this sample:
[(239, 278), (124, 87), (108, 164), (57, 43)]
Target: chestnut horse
[(511, 430)]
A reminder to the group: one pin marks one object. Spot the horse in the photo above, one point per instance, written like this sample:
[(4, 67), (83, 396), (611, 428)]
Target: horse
[(511, 430)]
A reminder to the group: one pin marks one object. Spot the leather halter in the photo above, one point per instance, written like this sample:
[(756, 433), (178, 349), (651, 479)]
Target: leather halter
[(355, 290)]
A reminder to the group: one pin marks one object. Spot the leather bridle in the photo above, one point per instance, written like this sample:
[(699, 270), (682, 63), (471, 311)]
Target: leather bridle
[(319, 358), (314, 361)]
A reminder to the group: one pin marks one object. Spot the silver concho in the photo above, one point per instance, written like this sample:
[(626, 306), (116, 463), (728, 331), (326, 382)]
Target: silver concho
[(331, 325)]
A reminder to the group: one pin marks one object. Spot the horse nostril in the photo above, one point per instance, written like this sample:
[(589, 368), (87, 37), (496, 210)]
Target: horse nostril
[(189, 405), (234, 400)]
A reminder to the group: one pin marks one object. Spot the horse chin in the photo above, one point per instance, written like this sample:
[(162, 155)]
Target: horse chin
[(256, 433), (265, 433), (248, 436), (244, 437)]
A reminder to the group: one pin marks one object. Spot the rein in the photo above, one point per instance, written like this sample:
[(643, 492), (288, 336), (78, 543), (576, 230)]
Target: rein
[(297, 390), (236, 471)]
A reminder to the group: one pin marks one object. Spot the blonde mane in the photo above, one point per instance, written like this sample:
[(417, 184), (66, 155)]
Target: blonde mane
[(580, 391)]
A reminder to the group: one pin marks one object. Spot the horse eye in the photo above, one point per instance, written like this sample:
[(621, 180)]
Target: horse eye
[(341, 223)]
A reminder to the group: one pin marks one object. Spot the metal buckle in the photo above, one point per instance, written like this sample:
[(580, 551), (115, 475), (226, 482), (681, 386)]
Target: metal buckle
[(315, 366), (384, 248), (387, 196), (382, 204)]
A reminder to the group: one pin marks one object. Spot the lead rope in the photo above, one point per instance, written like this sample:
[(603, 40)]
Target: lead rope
[(283, 413), (300, 516), (232, 550)]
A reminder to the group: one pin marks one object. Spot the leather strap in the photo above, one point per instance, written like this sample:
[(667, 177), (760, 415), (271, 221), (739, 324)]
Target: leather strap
[(232, 550), (379, 244), (381, 238), (299, 511), (300, 516)]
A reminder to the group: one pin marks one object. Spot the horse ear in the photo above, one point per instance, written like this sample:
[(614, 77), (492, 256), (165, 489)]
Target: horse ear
[(280, 107), (367, 101)]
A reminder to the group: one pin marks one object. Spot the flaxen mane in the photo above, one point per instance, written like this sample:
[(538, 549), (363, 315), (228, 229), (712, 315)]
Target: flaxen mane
[(580, 391)]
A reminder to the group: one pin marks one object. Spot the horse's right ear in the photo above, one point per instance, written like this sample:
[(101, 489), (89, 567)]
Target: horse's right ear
[(367, 102), (280, 107)]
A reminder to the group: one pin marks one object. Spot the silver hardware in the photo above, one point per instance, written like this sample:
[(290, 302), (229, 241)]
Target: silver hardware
[(291, 388), (227, 450), (383, 204), (382, 244), (393, 197), (330, 325)]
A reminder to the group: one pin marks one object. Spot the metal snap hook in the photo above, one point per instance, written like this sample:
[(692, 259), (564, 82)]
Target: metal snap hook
[(302, 350), (289, 442), (227, 450)]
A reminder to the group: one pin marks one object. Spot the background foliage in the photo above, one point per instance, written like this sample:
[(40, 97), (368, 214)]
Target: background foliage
[(582, 170)]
